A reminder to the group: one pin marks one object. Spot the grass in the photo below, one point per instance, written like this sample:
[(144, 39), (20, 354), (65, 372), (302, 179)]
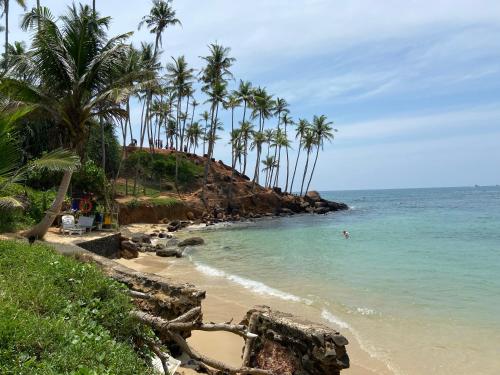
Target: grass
[(60, 316), (151, 191), (164, 201)]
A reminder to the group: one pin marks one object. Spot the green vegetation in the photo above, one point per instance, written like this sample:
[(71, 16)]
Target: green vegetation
[(58, 316), (164, 201), (34, 204), (153, 170)]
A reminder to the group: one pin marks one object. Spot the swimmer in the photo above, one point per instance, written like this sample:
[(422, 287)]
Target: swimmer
[(346, 234)]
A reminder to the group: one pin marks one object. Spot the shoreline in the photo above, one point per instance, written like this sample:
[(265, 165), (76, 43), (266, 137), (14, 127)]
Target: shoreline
[(230, 297)]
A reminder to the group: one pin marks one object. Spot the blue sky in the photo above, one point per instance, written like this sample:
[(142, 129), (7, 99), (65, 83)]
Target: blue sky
[(412, 86)]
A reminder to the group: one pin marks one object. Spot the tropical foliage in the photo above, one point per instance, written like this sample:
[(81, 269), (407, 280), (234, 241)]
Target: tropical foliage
[(80, 84)]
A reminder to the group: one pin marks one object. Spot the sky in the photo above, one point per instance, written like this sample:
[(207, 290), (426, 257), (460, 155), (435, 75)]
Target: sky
[(413, 86)]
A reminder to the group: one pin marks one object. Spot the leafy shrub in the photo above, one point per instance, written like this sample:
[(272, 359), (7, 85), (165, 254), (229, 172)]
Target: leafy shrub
[(35, 205), (61, 316), (134, 203), (90, 178), (162, 166)]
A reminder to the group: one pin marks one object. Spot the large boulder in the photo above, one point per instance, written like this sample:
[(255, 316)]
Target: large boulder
[(313, 196), (334, 206), (192, 241), (167, 253), (129, 250)]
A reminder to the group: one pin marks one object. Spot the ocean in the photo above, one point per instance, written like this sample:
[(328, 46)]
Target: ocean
[(417, 284)]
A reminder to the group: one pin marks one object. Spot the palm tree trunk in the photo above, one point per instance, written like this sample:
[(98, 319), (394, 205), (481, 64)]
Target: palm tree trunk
[(305, 172), (278, 166), (287, 162), (184, 125), (103, 146), (312, 171), (256, 173), (39, 230), (6, 11), (295, 169), (233, 158), (210, 150)]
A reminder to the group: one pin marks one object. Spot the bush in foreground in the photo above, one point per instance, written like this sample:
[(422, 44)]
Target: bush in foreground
[(58, 315)]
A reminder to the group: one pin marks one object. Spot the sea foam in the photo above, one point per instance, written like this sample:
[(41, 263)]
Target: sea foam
[(328, 316), (252, 285)]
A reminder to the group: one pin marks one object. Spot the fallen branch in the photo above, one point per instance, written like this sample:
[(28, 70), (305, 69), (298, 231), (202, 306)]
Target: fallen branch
[(218, 365), (139, 295), (170, 328), (249, 341)]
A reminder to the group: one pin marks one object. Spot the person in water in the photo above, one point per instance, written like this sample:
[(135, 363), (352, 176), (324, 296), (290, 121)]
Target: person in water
[(346, 234)]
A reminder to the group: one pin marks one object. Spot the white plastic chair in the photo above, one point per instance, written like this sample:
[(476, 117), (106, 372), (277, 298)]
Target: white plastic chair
[(86, 222), (68, 225)]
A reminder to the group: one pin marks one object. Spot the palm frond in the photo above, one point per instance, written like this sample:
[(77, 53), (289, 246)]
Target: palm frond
[(10, 204), (57, 160)]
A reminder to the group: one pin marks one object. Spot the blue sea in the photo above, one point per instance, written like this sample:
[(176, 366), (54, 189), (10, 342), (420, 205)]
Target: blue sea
[(417, 284)]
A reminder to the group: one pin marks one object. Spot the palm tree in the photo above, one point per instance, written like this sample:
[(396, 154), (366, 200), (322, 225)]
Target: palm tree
[(11, 168), (280, 141), (246, 130), (74, 68), (262, 106), (323, 131), (160, 17), (287, 120), (308, 142), (205, 116), (214, 83), (245, 95), (301, 129), (280, 107), (4, 5), (194, 134), (268, 163), (258, 139)]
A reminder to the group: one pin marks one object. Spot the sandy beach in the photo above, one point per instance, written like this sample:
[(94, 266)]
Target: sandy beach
[(227, 301)]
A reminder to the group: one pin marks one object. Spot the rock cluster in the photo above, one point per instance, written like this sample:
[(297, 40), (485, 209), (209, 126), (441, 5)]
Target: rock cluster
[(150, 243), (287, 345)]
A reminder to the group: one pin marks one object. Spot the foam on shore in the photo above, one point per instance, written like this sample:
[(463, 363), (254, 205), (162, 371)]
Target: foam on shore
[(252, 285)]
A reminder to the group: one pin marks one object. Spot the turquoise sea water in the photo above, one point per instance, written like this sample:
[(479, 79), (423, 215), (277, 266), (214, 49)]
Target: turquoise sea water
[(418, 283)]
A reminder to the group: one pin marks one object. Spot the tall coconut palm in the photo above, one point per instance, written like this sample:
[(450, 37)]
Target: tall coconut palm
[(245, 94), (323, 131), (74, 68), (205, 116), (246, 130), (194, 134), (287, 120), (280, 107), (4, 6), (258, 139), (268, 163), (302, 126), (214, 83), (262, 108), (280, 141), (181, 77), (308, 142), (160, 17)]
